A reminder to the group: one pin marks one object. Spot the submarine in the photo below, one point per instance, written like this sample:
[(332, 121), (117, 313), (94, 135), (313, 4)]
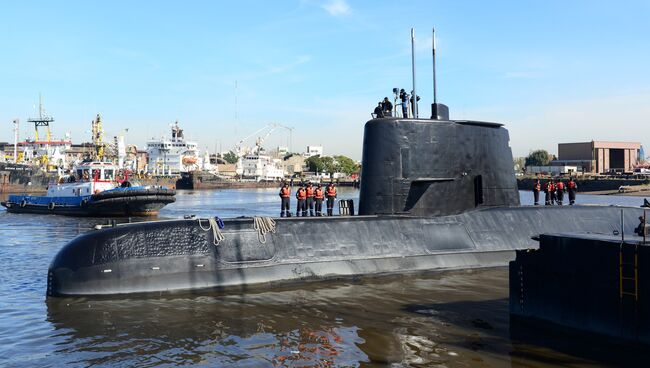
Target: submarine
[(435, 194)]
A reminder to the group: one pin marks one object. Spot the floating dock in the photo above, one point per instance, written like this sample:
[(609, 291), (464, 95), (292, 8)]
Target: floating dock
[(588, 282)]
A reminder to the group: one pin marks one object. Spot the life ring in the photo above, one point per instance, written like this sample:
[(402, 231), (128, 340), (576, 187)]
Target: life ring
[(51, 206), (23, 203)]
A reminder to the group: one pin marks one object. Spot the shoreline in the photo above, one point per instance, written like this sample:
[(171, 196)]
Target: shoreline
[(633, 191)]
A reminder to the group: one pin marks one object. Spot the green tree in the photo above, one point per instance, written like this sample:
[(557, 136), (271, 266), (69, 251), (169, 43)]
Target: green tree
[(346, 165), (538, 158), (231, 157), (329, 164), (315, 164)]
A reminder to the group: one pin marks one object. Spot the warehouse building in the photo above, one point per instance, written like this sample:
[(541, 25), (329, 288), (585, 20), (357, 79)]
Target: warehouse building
[(599, 157)]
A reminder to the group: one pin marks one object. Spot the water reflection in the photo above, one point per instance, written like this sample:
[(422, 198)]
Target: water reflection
[(331, 324), (451, 319)]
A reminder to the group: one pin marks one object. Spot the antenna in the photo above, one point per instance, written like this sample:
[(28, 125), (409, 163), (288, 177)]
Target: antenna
[(433, 49), (415, 95), (438, 111)]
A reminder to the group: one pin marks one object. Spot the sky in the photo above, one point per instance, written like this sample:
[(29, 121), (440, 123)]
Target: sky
[(551, 71)]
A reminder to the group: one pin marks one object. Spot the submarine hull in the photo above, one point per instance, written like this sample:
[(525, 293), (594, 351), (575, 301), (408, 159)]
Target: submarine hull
[(180, 255)]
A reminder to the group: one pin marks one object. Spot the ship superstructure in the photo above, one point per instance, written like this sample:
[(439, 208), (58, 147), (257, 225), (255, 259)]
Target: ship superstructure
[(173, 156), (260, 167)]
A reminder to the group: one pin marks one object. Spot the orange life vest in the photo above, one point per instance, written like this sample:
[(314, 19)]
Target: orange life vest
[(572, 185), (551, 187), (285, 192), (301, 193), (310, 192), (331, 191), (560, 186), (537, 187), (318, 193)]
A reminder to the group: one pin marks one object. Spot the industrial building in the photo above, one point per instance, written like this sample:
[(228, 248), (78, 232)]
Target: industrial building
[(599, 157)]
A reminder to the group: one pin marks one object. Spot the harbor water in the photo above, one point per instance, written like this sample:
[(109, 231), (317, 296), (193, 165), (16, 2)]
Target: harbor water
[(435, 319)]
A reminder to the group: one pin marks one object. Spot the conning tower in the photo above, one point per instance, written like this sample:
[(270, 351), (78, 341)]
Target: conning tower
[(437, 166), (426, 167)]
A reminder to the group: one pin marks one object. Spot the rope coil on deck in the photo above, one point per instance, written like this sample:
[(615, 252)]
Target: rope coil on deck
[(263, 225), (215, 224)]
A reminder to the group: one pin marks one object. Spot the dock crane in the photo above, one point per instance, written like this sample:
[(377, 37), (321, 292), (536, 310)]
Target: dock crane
[(239, 151)]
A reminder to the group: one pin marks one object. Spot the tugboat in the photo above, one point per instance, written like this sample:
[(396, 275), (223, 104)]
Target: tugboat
[(92, 190)]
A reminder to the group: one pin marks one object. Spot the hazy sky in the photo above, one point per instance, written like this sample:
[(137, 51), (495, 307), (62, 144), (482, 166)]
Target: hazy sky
[(552, 71)]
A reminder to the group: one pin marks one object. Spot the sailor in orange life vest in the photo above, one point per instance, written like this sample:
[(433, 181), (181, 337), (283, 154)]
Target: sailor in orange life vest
[(552, 190), (309, 204), (559, 190), (301, 196), (537, 187), (573, 188), (319, 195), (547, 193), (331, 198), (285, 196)]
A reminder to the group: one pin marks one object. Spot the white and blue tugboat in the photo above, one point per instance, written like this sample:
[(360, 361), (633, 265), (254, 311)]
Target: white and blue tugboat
[(92, 190)]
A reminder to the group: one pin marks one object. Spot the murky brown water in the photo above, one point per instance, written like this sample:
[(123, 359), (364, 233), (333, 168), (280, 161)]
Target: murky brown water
[(443, 319)]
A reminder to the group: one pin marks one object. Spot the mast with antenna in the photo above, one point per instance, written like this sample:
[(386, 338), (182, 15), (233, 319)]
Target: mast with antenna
[(438, 111), (415, 95), (433, 49), (42, 120)]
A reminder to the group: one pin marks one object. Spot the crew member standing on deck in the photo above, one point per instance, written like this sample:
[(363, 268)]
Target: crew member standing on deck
[(551, 189), (379, 111), (573, 188), (285, 197), (537, 187), (559, 189), (331, 198), (547, 193), (405, 103), (301, 195), (310, 199), (319, 195), (387, 106)]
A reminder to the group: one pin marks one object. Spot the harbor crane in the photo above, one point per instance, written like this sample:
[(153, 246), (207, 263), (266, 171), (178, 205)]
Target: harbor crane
[(271, 127), (98, 138)]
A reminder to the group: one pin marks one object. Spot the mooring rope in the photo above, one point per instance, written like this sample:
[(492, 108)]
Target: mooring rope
[(215, 224), (263, 225)]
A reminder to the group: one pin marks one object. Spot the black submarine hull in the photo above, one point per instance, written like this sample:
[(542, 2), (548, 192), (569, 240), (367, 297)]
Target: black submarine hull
[(180, 255)]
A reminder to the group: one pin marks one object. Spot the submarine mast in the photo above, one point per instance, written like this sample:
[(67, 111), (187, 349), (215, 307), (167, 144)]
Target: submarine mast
[(433, 52), (414, 94), (438, 111)]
